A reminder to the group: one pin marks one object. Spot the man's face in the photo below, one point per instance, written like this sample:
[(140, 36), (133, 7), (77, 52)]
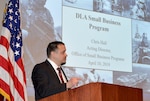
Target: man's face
[(60, 55)]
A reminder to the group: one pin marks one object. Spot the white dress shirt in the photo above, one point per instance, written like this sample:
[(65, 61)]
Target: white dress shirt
[(54, 65)]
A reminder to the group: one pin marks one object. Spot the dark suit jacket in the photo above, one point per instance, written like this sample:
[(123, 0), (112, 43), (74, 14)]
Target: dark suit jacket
[(46, 81)]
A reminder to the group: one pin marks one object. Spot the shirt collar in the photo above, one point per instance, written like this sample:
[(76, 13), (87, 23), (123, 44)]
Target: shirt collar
[(54, 65)]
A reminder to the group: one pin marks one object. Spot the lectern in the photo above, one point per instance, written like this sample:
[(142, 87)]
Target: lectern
[(98, 92)]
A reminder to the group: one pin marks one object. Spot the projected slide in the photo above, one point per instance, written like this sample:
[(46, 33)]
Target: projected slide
[(96, 40)]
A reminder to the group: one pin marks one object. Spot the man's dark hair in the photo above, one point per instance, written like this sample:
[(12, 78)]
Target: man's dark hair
[(53, 46)]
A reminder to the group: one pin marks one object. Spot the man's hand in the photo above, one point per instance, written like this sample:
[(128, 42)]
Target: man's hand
[(73, 82)]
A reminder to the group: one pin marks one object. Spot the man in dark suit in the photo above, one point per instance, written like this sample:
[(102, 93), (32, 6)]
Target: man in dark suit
[(45, 76)]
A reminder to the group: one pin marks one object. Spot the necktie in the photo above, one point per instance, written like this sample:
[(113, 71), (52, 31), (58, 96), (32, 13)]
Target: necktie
[(60, 74)]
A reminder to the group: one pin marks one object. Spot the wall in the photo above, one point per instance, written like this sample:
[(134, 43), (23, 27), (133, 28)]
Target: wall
[(2, 5)]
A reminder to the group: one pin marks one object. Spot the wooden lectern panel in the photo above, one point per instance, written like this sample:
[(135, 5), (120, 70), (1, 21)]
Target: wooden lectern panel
[(112, 92), (98, 92)]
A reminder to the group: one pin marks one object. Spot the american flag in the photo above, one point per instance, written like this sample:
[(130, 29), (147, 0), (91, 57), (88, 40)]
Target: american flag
[(12, 73)]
